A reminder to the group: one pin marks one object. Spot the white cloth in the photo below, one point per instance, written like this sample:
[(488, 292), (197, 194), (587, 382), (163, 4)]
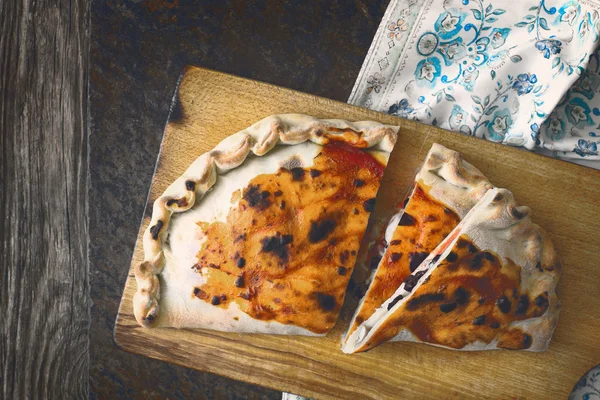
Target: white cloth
[(510, 72)]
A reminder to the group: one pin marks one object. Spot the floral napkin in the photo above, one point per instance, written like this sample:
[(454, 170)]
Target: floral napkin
[(523, 73)]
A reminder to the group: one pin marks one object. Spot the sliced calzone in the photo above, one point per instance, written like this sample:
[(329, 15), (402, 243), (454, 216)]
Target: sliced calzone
[(489, 285), (261, 233), (445, 189)]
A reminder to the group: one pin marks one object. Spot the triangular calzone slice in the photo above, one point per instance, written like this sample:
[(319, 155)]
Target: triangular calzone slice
[(261, 233), (490, 284), (445, 189)]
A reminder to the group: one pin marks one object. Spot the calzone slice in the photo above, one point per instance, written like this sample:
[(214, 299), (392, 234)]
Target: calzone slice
[(445, 189), (261, 233), (489, 285)]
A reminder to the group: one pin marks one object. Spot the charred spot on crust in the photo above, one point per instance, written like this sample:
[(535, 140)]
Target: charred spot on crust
[(314, 173), (155, 230), (461, 243), (319, 230), (461, 295), (541, 301), (416, 259), (489, 256), (239, 281), (190, 185), (477, 262), (342, 270), (369, 205), (416, 302), (504, 304), (241, 237), (356, 211), (277, 245), (359, 183), (479, 320), (245, 296), (344, 255), (527, 341), (374, 263), (297, 173), (201, 294), (180, 202), (326, 301), (289, 164), (395, 256), (394, 302), (215, 300), (215, 266), (149, 318), (516, 213), (406, 220), (395, 242), (282, 205), (277, 193), (539, 267), (241, 262), (411, 281), (430, 218), (522, 305), (452, 257), (256, 198), (448, 307)]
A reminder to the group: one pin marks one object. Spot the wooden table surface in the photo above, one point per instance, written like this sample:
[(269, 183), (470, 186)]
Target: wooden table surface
[(43, 199)]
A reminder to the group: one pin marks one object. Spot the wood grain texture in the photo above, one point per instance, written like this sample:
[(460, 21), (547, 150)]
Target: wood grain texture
[(43, 206), (565, 199)]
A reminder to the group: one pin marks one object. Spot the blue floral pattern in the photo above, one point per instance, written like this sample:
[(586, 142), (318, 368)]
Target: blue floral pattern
[(588, 387), (525, 83), (513, 73), (549, 47)]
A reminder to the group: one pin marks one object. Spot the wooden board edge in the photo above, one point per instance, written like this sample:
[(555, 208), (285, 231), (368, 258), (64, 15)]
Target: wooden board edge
[(120, 337)]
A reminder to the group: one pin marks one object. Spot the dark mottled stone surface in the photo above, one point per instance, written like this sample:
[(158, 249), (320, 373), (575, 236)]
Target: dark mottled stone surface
[(138, 49)]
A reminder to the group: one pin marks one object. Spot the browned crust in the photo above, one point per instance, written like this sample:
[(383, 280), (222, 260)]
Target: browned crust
[(258, 139)]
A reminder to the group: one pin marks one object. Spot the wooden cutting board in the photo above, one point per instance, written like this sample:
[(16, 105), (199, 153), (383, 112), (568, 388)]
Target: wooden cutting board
[(566, 202)]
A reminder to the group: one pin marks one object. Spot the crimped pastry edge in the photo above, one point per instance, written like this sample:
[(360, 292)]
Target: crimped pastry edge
[(198, 179)]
